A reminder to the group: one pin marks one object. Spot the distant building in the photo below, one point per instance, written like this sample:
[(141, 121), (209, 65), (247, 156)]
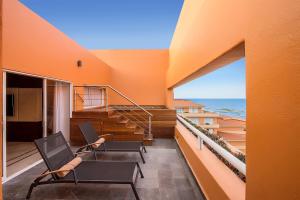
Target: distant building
[(197, 114), (232, 130)]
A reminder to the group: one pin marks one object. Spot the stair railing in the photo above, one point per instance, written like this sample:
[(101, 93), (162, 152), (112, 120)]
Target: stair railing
[(97, 97)]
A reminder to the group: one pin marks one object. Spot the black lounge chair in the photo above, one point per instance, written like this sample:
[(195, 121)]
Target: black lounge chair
[(56, 153), (91, 137)]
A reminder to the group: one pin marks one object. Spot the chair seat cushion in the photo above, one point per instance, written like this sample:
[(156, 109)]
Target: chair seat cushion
[(107, 171), (121, 146)]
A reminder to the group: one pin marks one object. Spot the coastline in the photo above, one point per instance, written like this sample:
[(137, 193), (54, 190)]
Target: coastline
[(233, 108)]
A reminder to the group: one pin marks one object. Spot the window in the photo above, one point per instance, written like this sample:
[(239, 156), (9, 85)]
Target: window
[(193, 110), (208, 121), (195, 120), (179, 110), (94, 97)]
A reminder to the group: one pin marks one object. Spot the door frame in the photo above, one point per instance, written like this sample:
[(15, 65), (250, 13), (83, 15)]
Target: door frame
[(4, 91)]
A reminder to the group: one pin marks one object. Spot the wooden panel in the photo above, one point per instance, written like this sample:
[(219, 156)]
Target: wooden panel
[(164, 132), (27, 104), (89, 114), (30, 104), (163, 121), (76, 137)]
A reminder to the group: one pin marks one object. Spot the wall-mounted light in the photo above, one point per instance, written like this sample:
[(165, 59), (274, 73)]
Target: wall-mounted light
[(79, 63)]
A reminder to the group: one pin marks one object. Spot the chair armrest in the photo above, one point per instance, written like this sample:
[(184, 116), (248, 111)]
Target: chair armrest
[(54, 172), (108, 134), (85, 146), (82, 152), (51, 172)]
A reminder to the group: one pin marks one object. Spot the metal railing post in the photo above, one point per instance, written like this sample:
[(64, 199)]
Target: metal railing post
[(200, 141), (150, 133), (75, 100), (106, 99)]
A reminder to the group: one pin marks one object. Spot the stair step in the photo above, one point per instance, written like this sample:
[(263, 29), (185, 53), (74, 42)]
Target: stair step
[(124, 121), (119, 129), (131, 125), (140, 131), (134, 137), (115, 134), (114, 116), (148, 140)]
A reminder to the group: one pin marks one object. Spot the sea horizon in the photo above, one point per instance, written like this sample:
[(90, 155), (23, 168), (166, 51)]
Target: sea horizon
[(232, 107)]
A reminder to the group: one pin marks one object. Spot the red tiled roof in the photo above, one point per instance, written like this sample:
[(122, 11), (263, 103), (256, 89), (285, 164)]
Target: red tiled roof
[(182, 103)]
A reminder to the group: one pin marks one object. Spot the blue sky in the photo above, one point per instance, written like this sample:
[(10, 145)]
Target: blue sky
[(226, 82), (135, 24), (112, 24)]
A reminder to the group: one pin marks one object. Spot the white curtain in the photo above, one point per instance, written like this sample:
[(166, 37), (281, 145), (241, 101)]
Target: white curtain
[(61, 111)]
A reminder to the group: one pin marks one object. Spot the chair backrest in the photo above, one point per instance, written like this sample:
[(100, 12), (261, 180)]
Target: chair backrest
[(89, 132), (54, 150)]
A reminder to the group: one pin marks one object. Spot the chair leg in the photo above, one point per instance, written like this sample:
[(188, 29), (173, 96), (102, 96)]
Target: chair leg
[(135, 192), (140, 170), (142, 156), (144, 148), (95, 154), (30, 190)]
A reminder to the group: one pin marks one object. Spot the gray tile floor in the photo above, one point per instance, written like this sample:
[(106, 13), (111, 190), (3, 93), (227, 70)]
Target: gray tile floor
[(167, 176)]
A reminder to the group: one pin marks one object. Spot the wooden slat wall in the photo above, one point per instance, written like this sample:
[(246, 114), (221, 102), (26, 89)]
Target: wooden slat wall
[(163, 122)]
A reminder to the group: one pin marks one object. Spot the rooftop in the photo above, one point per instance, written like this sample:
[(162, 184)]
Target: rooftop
[(167, 176), (182, 103)]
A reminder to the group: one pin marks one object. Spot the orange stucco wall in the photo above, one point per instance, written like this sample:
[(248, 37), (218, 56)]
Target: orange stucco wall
[(1, 137), (216, 180), (32, 45), (205, 30), (270, 29), (140, 74)]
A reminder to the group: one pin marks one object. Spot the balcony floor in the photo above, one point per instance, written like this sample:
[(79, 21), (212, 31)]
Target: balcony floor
[(167, 176)]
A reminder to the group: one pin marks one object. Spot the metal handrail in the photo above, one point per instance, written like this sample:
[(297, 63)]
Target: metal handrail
[(133, 115), (121, 94), (128, 99), (135, 122), (131, 110), (81, 98), (239, 165)]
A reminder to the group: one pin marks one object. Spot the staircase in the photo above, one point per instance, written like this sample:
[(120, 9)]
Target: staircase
[(125, 123), (108, 122)]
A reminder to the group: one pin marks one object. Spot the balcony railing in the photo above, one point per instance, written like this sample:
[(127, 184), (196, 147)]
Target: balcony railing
[(231, 159)]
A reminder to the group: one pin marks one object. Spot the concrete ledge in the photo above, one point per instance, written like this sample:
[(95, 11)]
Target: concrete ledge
[(216, 180)]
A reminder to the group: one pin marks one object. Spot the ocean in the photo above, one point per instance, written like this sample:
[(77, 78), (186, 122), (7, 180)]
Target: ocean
[(228, 107)]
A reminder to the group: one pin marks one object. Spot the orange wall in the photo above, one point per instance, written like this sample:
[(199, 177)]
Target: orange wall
[(270, 29), (231, 123), (32, 45), (204, 31), (1, 94), (216, 180), (140, 74)]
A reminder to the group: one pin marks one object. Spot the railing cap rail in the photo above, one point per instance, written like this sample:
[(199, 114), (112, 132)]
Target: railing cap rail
[(220, 150)]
